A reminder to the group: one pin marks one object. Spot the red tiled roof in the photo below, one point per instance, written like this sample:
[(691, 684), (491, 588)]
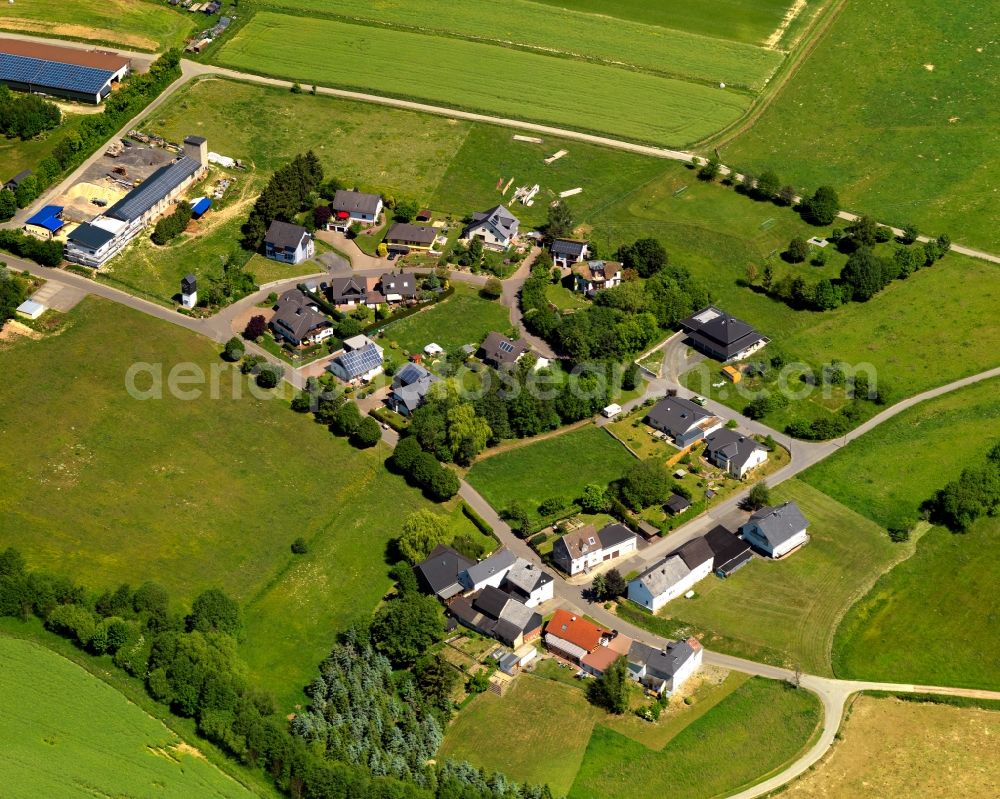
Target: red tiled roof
[(575, 629)]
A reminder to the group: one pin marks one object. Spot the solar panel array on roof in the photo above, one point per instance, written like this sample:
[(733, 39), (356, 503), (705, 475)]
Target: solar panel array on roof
[(358, 362), (157, 186), (49, 74), (506, 346)]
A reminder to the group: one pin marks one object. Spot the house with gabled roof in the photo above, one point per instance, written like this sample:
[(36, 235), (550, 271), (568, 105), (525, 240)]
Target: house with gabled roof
[(489, 572), (410, 386), (572, 637), (403, 237), (497, 614), (673, 576), (566, 252), (399, 286), (777, 531), (721, 336), (584, 548), (497, 350), (298, 319), (497, 228), (665, 670), (736, 453), (349, 292), (528, 583), (682, 420), (439, 572), (593, 276), (290, 244), (730, 552), (350, 206), (361, 360)]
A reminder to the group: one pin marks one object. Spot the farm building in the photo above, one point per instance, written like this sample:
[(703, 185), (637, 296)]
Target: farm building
[(94, 242), (83, 75), (46, 223)]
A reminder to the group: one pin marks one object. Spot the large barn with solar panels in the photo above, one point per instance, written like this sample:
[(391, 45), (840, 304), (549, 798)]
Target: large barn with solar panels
[(83, 75)]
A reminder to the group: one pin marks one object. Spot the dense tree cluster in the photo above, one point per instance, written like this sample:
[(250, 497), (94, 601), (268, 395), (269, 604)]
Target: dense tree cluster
[(975, 494), (47, 253), (422, 469), (612, 689), (289, 191), (231, 283), (170, 227), (24, 116), (13, 291)]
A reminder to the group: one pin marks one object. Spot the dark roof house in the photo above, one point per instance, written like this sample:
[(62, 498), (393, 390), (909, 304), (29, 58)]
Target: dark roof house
[(569, 250), (730, 552), (722, 336), (411, 235), (682, 420), (297, 318), (356, 203), (676, 504), (283, 235), (410, 385), (438, 573), (497, 350)]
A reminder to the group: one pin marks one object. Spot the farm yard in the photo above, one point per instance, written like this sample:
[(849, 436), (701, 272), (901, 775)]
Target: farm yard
[(92, 740), (918, 84), (669, 51), (785, 612), (626, 103), (136, 24), (558, 466), (907, 749)]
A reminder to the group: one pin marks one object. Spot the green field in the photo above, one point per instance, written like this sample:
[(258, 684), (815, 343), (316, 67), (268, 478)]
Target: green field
[(905, 629), (740, 20), (898, 107), (559, 466), (192, 494), (716, 755), (463, 318), (136, 24), (17, 155), (68, 734), (785, 612), (571, 33), (461, 73)]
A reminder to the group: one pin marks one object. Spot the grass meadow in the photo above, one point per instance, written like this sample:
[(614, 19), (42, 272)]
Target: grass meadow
[(192, 494), (68, 734), (530, 25), (899, 108), (715, 755), (907, 749), (905, 628), (17, 155), (785, 612), (558, 466), (462, 73), (463, 318), (136, 24)]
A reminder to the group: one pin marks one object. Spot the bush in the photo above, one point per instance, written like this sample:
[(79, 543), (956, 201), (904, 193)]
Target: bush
[(821, 209), (299, 546), (256, 327), (169, 227), (270, 375), (367, 434), (235, 349), (551, 506), (493, 288), (46, 253)]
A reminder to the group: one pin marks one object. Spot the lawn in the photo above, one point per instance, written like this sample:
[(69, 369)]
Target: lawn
[(907, 97), (740, 20), (581, 35), (907, 749), (565, 299), (463, 318), (17, 155), (192, 494), (786, 612), (457, 72), (715, 755), (135, 24), (68, 734), (558, 466)]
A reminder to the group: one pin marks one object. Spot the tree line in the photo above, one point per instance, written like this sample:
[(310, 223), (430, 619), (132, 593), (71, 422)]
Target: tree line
[(291, 190), (171, 226), (974, 495), (13, 291), (24, 116), (189, 662)]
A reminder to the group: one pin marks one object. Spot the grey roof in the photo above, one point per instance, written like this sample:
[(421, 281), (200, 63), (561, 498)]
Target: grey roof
[(497, 562), (357, 202), (284, 235), (195, 140), (295, 313), (441, 569), (342, 288), (499, 218), (357, 362), (721, 333), (491, 601), (409, 374), (16, 180), (402, 283), (526, 576), (412, 394), (640, 653), (731, 446), (91, 236), (520, 615), (406, 233), (568, 247), (661, 576), (778, 525), (695, 552), (611, 535), (677, 503), (153, 189), (676, 415), (667, 663), (499, 349)]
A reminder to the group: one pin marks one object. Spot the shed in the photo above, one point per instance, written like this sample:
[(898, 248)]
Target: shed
[(48, 218), (199, 206), (30, 309), (676, 504), (612, 410)]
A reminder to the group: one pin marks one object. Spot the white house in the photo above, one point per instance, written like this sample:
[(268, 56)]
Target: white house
[(585, 548), (361, 360), (665, 671), (489, 572), (673, 576), (528, 583), (592, 276), (496, 228), (736, 453), (566, 252), (297, 319), (777, 531), (354, 206), (291, 244), (683, 420)]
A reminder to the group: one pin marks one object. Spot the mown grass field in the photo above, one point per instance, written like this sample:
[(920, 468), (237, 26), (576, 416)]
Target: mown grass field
[(905, 628), (740, 20), (68, 734), (908, 749), (192, 494), (554, 467), (461, 73), (463, 318), (785, 612), (716, 755), (135, 24), (908, 101), (569, 32), (17, 155)]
